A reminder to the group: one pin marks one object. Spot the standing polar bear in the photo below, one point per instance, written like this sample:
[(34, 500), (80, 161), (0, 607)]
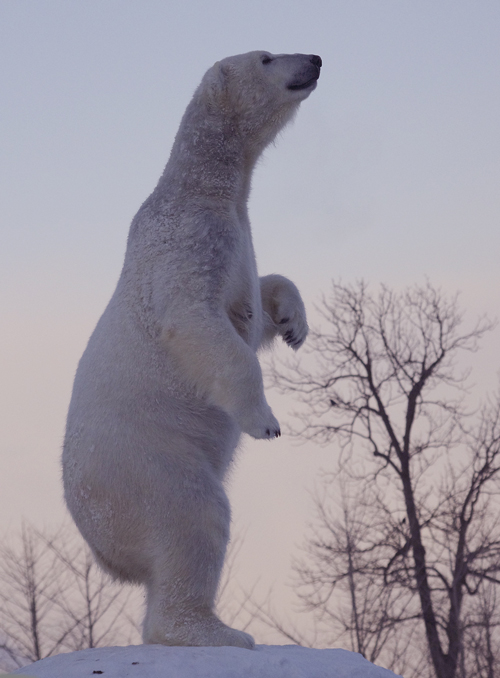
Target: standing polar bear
[(170, 377)]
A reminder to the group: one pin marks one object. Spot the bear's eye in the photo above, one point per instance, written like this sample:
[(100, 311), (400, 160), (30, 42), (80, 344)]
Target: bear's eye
[(266, 59)]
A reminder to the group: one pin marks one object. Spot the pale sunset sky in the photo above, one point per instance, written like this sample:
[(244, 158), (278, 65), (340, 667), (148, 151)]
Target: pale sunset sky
[(391, 173)]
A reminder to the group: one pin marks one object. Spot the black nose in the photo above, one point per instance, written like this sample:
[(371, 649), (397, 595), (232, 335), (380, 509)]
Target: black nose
[(316, 60)]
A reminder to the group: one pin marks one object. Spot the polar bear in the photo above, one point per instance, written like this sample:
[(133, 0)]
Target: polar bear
[(170, 377)]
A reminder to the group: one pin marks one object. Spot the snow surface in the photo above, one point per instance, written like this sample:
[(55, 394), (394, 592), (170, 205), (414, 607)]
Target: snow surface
[(158, 661)]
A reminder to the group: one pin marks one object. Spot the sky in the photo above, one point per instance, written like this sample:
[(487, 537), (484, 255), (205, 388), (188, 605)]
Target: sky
[(390, 173)]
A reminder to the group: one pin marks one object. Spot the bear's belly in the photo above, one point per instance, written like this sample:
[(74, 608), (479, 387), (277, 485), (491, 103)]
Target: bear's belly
[(130, 410)]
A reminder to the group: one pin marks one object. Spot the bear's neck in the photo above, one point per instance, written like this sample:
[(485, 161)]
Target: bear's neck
[(209, 161)]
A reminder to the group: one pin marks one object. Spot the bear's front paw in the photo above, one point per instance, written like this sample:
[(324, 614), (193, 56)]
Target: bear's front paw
[(293, 329), (282, 303), (262, 426)]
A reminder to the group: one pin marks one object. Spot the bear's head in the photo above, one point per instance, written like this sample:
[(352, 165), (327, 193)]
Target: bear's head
[(259, 92)]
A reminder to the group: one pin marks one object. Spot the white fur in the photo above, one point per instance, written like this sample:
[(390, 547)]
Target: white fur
[(170, 376)]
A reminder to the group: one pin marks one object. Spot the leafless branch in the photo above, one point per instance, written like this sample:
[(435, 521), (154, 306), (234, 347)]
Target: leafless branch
[(420, 536)]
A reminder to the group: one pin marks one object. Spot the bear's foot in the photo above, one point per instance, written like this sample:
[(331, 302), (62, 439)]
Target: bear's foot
[(192, 630)]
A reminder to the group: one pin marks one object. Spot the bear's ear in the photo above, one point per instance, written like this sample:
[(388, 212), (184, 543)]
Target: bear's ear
[(216, 87), (221, 73)]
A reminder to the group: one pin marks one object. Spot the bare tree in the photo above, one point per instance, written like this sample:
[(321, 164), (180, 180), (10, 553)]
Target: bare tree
[(384, 384), (89, 599), (53, 599), (341, 587), (341, 581), (29, 579), (481, 634)]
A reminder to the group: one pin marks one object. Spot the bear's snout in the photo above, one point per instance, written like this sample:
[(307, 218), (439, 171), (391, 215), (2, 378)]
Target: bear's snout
[(316, 60), (309, 73)]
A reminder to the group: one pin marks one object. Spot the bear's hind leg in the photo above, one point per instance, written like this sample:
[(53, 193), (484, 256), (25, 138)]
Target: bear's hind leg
[(188, 560)]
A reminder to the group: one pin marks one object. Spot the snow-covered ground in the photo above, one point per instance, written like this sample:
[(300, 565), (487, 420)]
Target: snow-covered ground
[(157, 661)]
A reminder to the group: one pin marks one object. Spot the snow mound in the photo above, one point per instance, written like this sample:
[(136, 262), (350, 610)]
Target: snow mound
[(158, 661)]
